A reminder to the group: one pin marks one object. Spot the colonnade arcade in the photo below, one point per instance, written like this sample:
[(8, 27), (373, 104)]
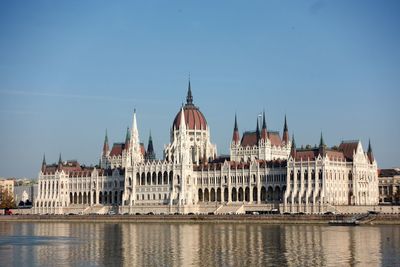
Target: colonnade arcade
[(247, 194), (106, 197)]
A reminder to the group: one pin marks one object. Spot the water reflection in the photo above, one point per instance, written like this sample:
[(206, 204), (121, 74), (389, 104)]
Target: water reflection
[(179, 244)]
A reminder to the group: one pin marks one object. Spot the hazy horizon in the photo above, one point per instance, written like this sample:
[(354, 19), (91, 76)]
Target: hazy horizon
[(71, 70)]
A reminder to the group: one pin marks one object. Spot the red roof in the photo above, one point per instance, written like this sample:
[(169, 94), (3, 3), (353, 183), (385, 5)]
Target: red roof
[(249, 139), (117, 149), (335, 155), (193, 118), (306, 154), (348, 149), (275, 138)]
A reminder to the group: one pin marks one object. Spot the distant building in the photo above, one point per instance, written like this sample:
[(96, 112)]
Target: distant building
[(25, 193), (389, 186), (6, 185), (264, 171)]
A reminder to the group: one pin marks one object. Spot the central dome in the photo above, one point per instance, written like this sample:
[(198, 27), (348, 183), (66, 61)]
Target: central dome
[(193, 117)]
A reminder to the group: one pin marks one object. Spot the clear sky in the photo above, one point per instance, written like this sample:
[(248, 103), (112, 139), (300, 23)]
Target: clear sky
[(71, 69)]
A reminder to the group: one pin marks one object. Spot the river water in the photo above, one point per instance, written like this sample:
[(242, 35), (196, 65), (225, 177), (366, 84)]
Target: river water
[(204, 244)]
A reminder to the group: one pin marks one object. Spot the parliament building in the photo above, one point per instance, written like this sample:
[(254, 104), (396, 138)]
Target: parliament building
[(264, 172)]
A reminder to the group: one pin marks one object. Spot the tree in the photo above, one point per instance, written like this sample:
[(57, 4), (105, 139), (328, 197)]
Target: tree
[(6, 200)]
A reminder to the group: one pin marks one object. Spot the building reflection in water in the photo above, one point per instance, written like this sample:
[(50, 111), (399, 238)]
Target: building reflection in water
[(205, 244)]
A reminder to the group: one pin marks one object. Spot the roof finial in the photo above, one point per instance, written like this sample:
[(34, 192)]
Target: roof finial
[(44, 159), (189, 97), (59, 160)]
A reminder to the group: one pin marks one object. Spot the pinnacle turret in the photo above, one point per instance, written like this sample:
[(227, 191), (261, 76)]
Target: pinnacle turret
[(285, 135), (264, 133), (370, 154), (44, 163), (150, 155), (236, 136), (106, 147), (322, 146), (127, 138), (321, 141), (293, 148), (60, 162)]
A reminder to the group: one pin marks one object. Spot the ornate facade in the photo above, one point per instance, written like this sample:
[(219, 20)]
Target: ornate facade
[(264, 172)]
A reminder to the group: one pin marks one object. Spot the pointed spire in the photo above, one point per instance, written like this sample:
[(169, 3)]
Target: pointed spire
[(127, 138), (44, 163), (285, 128), (258, 131), (285, 136), (106, 148), (370, 154), (189, 97), (134, 123), (134, 138), (150, 155), (293, 148), (60, 162), (264, 133), (369, 146), (322, 146), (236, 136), (182, 125), (321, 141), (235, 128)]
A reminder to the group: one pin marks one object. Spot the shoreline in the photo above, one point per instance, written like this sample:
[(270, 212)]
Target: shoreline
[(392, 219)]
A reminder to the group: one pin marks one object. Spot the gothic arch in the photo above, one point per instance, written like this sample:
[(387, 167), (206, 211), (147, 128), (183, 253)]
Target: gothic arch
[(212, 193), (255, 193), (240, 194), (247, 194), (200, 195), (234, 194), (206, 195)]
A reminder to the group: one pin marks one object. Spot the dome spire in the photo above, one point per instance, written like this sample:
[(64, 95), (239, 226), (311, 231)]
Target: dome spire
[(189, 97)]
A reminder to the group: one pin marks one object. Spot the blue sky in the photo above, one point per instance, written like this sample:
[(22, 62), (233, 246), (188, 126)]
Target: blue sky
[(71, 69)]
